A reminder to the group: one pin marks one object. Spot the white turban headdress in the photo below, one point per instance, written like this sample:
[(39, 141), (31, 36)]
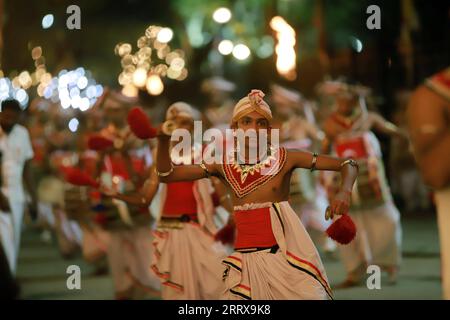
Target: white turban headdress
[(252, 102), (179, 109)]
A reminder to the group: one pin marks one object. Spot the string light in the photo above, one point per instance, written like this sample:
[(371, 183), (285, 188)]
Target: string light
[(241, 52), (73, 124), (222, 15), (225, 47), (164, 35), (74, 88), (47, 21), (154, 85), (9, 91), (153, 61)]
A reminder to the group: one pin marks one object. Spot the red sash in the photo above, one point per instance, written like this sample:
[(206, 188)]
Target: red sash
[(180, 199), (254, 229)]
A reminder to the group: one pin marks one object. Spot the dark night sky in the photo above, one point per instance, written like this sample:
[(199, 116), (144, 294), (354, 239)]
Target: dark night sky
[(105, 23)]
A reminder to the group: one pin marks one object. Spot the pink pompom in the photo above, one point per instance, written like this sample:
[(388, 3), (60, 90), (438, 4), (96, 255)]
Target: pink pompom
[(343, 230)]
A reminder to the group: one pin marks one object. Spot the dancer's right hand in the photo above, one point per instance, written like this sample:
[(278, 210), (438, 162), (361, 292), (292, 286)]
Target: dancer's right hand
[(166, 128)]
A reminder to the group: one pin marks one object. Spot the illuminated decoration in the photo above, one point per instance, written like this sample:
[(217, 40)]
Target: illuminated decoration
[(154, 85), (130, 91), (16, 87), (47, 21), (75, 88), (240, 22), (139, 77), (73, 124), (36, 53), (8, 90), (222, 15), (241, 52), (225, 47), (286, 57), (25, 79), (164, 35), (356, 44), (153, 61)]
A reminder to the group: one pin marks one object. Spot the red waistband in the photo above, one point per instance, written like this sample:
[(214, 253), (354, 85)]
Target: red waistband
[(254, 229), (180, 198)]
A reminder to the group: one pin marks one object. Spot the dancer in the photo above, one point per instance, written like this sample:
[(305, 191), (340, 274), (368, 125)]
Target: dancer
[(428, 121), (274, 257), (348, 132), (77, 199), (186, 257), (121, 168)]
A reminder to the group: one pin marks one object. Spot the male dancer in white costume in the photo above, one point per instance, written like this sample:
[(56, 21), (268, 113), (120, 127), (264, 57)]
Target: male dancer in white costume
[(274, 258)]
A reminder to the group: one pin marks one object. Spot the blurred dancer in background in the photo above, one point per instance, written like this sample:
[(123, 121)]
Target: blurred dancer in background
[(349, 134), (123, 168), (186, 257), (298, 127)]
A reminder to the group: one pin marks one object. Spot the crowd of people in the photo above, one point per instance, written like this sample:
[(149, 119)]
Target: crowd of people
[(168, 224)]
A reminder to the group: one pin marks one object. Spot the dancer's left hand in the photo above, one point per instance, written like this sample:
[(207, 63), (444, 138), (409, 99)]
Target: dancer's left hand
[(340, 204)]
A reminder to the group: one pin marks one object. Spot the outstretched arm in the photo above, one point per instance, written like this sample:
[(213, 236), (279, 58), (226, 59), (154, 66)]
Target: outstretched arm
[(347, 167), (386, 127), (143, 197), (169, 173)]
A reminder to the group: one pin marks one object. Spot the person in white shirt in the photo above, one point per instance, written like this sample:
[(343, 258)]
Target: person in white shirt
[(16, 153)]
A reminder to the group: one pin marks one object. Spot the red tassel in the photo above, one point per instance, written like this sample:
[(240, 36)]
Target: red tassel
[(343, 230), (140, 124), (98, 142), (79, 178), (226, 235)]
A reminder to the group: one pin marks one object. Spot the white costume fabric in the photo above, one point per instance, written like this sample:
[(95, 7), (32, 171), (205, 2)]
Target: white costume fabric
[(187, 258), (16, 150), (378, 239), (295, 271)]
